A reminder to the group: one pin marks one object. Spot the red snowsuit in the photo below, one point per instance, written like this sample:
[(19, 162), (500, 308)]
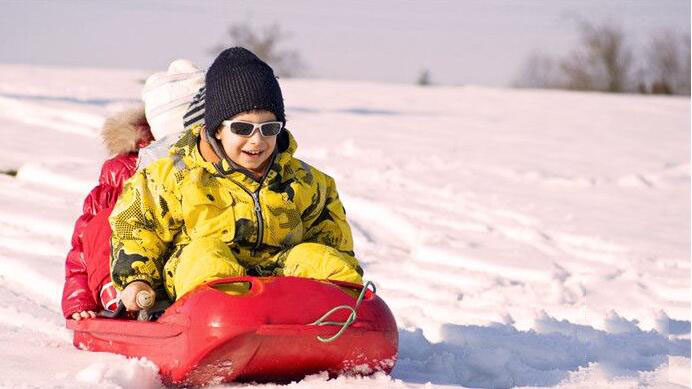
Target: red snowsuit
[(87, 265)]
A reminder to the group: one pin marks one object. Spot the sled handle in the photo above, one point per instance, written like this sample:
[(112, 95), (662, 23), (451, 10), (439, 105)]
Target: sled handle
[(256, 285), (143, 299)]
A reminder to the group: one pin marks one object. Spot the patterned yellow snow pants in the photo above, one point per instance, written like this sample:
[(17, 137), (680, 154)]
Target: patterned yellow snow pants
[(208, 259)]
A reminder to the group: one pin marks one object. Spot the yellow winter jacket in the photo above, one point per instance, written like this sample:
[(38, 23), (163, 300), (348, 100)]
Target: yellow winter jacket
[(184, 197)]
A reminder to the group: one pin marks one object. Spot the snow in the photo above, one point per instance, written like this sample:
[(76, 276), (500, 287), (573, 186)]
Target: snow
[(522, 238), (131, 372)]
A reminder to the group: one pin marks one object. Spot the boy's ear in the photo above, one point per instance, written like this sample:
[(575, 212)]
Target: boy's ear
[(217, 134)]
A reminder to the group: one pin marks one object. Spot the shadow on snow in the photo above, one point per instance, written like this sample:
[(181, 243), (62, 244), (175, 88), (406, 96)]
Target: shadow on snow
[(500, 356), (68, 99)]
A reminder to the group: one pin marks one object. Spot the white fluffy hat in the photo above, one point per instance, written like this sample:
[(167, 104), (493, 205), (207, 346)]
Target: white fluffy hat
[(166, 96)]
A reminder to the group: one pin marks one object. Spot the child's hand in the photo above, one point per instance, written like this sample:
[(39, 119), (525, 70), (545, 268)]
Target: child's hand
[(129, 295), (83, 315)]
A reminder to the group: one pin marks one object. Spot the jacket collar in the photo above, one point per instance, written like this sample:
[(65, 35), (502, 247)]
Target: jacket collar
[(194, 149)]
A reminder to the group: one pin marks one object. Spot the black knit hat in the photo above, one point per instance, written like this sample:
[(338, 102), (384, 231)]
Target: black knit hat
[(239, 81)]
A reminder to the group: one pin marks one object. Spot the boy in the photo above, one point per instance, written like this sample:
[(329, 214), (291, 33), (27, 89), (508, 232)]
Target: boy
[(230, 199)]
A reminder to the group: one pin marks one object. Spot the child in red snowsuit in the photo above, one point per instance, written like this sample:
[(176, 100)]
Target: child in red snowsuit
[(88, 287), (124, 134)]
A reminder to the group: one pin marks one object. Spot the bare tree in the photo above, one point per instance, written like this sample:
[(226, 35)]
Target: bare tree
[(686, 71), (265, 43), (668, 64), (539, 71), (424, 78), (602, 63)]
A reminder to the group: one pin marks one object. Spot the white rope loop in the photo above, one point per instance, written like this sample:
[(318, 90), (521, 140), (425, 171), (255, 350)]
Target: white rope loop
[(351, 318)]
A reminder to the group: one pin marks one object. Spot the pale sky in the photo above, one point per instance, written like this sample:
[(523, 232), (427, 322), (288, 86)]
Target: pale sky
[(483, 42)]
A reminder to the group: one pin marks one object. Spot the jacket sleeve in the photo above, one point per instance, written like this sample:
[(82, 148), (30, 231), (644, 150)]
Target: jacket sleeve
[(331, 227), (76, 294), (144, 221)]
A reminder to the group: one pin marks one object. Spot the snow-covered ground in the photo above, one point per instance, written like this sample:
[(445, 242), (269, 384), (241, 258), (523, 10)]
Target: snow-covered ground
[(521, 238)]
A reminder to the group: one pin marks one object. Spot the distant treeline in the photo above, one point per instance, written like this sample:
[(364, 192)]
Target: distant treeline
[(604, 61), (601, 61)]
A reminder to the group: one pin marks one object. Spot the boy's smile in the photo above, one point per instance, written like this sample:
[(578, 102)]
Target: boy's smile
[(252, 152)]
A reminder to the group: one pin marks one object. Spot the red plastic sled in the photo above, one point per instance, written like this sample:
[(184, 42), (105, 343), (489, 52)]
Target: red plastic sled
[(210, 337)]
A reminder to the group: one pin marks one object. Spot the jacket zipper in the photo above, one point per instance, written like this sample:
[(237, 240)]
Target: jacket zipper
[(260, 223), (258, 208), (255, 199), (258, 215)]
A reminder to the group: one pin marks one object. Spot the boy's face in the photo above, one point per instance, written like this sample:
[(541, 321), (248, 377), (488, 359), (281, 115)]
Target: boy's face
[(252, 152)]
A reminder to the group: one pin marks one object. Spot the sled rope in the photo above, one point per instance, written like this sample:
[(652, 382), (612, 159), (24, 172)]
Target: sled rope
[(351, 318)]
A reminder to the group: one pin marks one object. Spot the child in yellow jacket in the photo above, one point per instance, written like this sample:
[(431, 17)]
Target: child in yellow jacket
[(230, 199)]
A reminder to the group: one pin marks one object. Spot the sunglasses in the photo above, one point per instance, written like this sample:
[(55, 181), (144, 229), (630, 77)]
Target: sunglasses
[(247, 129)]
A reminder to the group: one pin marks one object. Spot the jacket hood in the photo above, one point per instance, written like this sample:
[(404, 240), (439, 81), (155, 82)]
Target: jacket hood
[(126, 131)]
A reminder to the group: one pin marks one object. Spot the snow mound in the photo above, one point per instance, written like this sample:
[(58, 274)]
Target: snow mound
[(500, 356), (133, 373)]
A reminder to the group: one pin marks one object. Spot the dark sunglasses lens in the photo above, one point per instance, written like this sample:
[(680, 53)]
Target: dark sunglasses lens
[(239, 128), (271, 129)]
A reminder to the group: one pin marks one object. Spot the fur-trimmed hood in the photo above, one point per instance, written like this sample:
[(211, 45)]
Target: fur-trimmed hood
[(126, 131)]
